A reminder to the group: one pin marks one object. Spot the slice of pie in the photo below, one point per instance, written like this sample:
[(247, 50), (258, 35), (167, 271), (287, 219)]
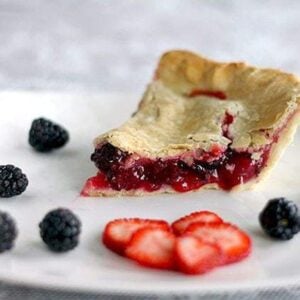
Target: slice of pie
[(200, 124)]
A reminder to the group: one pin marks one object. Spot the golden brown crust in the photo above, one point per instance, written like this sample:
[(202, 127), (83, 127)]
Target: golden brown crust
[(267, 96), (169, 123), (285, 138)]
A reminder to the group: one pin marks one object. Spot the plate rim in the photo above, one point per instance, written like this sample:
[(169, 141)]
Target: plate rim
[(132, 289)]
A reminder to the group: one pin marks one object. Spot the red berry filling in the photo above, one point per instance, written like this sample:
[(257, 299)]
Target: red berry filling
[(216, 94), (228, 119), (120, 170)]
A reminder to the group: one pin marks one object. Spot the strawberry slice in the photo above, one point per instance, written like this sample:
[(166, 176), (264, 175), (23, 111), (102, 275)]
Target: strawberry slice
[(152, 247), (234, 243), (193, 256), (118, 233), (180, 225)]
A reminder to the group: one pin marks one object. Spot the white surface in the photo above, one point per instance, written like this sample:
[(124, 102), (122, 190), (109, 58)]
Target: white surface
[(114, 45), (55, 179)]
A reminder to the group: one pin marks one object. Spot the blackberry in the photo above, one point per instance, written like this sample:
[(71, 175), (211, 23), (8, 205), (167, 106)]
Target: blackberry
[(8, 232), (44, 135), (12, 181), (108, 156), (280, 219), (60, 230)]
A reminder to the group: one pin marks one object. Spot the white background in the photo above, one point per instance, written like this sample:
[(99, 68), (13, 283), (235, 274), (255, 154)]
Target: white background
[(113, 45)]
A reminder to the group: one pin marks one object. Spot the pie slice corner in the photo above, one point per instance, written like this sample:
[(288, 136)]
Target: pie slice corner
[(200, 124)]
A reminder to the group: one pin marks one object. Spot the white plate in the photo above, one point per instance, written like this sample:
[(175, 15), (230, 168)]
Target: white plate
[(55, 179)]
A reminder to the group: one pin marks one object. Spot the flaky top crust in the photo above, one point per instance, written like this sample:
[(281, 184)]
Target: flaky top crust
[(169, 122)]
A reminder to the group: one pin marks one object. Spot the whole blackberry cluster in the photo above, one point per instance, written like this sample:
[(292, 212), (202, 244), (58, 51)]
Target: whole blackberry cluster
[(280, 219), (107, 156), (44, 135), (60, 230), (12, 181), (8, 232)]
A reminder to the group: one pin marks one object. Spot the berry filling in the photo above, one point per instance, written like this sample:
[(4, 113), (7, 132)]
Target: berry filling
[(216, 94), (120, 170), (228, 119)]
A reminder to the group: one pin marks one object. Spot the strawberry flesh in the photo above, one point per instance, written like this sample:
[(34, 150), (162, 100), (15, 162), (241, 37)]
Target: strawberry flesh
[(194, 256), (152, 247), (117, 233), (234, 243), (180, 225)]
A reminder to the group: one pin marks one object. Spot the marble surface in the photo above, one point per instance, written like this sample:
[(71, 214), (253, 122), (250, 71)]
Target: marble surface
[(114, 45)]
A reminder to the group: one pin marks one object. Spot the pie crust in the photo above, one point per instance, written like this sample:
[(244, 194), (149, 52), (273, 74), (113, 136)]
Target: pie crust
[(195, 106)]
